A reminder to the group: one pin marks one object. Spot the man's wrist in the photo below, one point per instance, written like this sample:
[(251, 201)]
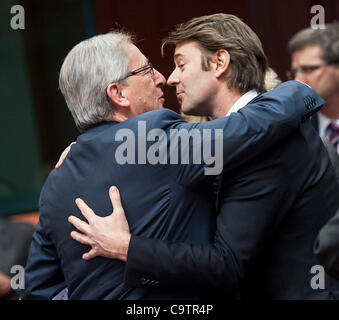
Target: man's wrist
[(123, 249)]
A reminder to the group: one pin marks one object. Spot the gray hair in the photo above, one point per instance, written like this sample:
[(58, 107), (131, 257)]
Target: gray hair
[(87, 71), (327, 39)]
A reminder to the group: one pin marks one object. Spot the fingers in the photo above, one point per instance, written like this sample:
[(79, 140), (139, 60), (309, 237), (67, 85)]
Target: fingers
[(86, 211), (114, 195), (82, 238), (63, 156), (80, 225), (89, 255)]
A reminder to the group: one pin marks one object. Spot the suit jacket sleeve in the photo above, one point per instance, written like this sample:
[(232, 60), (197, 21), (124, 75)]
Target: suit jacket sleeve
[(43, 275), (326, 247), (268, 119), (252, 208)]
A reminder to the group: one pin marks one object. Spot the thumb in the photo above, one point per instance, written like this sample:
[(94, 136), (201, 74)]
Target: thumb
[(114, 195)]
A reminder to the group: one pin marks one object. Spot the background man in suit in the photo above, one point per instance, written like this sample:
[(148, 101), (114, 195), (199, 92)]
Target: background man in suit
[(270, 208), (315, 61), (15, 238), (109, 86)]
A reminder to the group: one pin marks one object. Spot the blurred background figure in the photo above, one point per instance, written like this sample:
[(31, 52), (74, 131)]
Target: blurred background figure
[(315, 61), (271, 79), (15, 239)]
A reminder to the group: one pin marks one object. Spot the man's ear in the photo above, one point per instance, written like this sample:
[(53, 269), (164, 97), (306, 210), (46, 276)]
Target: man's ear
[(116, 93), (221, 61)]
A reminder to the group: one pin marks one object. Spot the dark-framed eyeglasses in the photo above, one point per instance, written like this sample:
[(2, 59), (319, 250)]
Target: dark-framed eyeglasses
[(304, 70), (148, 66)]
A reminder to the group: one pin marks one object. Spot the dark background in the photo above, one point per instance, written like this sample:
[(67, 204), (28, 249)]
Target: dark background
[(36, 125)]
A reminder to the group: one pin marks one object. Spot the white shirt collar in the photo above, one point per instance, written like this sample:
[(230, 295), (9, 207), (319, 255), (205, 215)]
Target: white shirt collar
[(243, 101)]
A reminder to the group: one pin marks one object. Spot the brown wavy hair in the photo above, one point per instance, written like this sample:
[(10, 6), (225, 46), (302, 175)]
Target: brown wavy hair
[(248, 61)]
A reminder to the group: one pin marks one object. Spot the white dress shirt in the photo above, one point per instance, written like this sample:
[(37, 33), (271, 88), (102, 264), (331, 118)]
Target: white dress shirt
[(242, 101)]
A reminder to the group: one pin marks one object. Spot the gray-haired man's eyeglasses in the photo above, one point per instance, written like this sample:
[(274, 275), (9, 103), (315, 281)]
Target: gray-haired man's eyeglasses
[(304, 70), (148, 66)]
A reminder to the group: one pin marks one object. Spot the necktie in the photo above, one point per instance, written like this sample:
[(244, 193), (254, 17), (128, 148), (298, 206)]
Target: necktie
[(333, 134)]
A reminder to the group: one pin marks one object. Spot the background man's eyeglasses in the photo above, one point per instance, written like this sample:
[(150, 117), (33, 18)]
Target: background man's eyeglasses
[(304, 70)]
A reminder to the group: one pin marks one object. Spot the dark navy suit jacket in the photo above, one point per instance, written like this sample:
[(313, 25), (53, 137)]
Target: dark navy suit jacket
[(170, 202), (271, 209), (315, 122), (326, 246), (332, 152)]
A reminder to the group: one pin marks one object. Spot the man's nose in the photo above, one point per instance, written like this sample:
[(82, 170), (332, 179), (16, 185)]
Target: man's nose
[(159, 79), (173, 79)]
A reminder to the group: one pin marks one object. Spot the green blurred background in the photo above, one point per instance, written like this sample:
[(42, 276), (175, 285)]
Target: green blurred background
[(35, 122)]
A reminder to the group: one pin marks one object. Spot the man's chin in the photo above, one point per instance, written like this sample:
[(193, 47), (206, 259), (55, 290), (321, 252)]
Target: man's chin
[(194, 111), (189, 111)]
